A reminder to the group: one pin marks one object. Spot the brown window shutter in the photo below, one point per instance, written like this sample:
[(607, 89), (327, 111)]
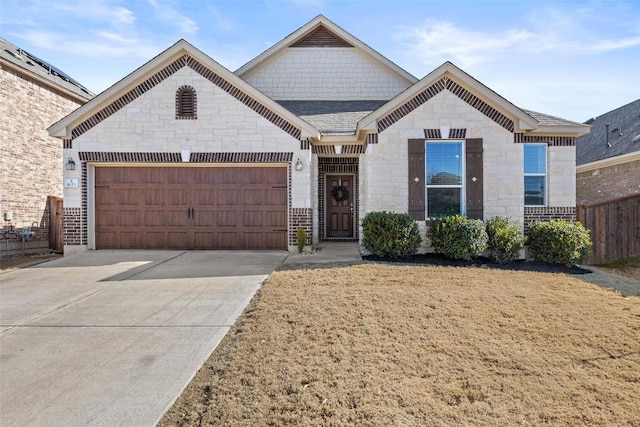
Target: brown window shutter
[(474, 181), (416, 179)]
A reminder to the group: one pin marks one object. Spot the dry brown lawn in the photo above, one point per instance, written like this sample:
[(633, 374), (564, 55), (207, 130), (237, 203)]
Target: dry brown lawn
[(396, 345)]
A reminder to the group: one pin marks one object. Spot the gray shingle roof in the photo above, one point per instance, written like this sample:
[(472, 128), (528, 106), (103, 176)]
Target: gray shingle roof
[(624, 127), (332, 117), (548, 120), (19, 58)]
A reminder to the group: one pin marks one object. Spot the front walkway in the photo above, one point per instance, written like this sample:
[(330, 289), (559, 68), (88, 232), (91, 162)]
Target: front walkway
[(327, 252)]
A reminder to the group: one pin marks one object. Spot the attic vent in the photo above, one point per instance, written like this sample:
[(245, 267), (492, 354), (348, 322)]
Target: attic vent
[(186, 103), (321, 37)]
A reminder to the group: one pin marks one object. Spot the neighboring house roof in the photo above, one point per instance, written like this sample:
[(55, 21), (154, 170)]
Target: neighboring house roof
[(179, 55), (620, 137), (333, 117), (314, 25), (14, 57)]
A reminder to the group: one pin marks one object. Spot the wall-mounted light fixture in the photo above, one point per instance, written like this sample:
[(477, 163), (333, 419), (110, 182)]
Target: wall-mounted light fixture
[(298, 165), (71, 165)]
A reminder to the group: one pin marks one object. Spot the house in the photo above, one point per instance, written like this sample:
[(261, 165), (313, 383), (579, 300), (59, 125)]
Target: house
[(315, 132), (34, 95), (608, 183), (608, 158)]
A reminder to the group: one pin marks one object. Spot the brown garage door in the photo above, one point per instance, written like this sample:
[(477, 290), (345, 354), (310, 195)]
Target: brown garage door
[(191, 207)]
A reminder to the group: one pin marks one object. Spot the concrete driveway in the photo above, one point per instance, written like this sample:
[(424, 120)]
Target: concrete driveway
[(113, 337)]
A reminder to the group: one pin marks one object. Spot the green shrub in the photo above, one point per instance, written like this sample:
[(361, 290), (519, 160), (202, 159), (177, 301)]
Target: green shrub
[(388, 234), (559, 242), (457, 236), (302, 239), (505, 240)]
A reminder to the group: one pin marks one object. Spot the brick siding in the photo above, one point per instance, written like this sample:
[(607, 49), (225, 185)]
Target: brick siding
[(31, 163), (608, 183)]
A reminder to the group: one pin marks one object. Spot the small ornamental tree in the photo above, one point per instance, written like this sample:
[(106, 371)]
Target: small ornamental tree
[(302, 239)]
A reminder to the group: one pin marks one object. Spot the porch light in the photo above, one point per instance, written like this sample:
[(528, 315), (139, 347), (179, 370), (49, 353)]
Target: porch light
[(71, 165), (298, 165)]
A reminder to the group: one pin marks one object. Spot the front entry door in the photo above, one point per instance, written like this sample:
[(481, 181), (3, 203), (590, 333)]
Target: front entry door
[(339, 205)]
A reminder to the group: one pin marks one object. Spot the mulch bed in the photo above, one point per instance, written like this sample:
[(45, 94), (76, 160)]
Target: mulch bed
[(482, 262)]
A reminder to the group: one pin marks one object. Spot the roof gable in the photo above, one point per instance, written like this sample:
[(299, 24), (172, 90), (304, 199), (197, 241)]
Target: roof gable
[(451, 78), (321, 37), (181, 54), (321, 32)]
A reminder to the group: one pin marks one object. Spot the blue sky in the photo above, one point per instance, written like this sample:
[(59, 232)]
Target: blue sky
[(573, 59)]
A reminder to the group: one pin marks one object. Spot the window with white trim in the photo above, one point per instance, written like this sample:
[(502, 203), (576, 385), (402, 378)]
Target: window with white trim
[(444, 178), (535, 174)]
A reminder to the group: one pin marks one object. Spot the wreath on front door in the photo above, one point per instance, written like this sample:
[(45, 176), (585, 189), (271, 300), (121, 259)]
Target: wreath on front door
[(340, 193)]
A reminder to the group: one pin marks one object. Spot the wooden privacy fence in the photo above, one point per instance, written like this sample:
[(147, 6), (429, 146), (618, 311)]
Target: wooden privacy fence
[(615, 228)]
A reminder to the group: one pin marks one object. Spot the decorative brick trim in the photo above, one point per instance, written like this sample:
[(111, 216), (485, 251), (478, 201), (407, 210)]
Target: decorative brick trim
[(323, 149), (67, 143), (552, 141), (180, 114), (305, 144), (543, 213), (337, 165), (166, 72), (457, 133), (453, 134), (456, 89), (372, 138), (353, 149), (321, 37), (241, 157), (247, 100), (432, 134), (300, 217), (105, 156), (108, 157)]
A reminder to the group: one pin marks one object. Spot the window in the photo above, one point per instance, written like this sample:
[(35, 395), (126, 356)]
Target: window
[(535, 174), (186, 103), (444, 178)]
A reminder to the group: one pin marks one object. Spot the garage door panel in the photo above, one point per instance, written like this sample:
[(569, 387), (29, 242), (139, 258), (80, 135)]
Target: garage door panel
[(188, 207), (226, 219), (252, 219), (155, 239)]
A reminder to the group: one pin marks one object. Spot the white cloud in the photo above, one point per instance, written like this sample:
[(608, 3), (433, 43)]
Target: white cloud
[(96, 10), (438, 42), (100, 45)]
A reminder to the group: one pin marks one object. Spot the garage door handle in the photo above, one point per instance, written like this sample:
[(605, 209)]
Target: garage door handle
[(190, 213)]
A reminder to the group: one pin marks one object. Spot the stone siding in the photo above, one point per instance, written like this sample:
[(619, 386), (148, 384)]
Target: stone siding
[(224, 125)]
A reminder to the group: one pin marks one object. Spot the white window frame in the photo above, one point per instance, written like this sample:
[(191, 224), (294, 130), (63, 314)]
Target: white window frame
[(462, 186), (544, 175)]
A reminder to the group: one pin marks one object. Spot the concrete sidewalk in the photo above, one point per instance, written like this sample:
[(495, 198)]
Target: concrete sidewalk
[(113, 337), (327, 252)]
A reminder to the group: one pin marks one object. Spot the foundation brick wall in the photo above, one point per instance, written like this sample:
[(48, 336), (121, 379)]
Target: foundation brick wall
[(300, 217), (531, 214), (608, 183), (31, 164), (325, 74)]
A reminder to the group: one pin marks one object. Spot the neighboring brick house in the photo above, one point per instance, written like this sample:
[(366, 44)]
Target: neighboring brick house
[(608, 158), (317, 131), (34, 95)]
